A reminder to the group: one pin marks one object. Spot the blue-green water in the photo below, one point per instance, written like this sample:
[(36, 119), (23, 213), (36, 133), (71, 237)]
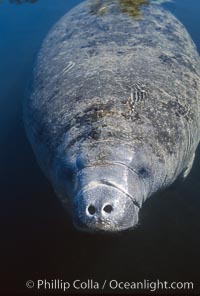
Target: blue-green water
[(37, 238)]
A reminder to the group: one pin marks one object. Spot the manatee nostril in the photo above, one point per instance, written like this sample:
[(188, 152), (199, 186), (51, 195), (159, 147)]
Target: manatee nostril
[(108, 209), (91, 210)]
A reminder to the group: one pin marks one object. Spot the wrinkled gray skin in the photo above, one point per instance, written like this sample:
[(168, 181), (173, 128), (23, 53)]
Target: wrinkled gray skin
[(114, 112)]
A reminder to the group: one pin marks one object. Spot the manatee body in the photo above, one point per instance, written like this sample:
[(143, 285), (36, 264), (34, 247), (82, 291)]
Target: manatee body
[(114, 112)]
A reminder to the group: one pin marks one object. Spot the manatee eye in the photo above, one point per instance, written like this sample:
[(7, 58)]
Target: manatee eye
[(142, 172)]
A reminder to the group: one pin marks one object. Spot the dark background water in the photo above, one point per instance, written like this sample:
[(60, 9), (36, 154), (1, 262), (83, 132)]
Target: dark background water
[(37, 238)]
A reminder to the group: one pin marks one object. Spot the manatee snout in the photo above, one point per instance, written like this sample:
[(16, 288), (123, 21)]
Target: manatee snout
[(104, 205)]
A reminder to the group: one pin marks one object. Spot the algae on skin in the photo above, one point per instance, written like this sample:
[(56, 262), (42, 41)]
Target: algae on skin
[(130, 7)]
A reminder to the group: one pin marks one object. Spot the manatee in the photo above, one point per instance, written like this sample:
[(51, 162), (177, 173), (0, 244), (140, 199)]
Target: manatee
[(113, 115)]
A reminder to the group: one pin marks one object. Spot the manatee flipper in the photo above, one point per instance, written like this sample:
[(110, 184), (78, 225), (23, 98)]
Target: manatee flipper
[(188, 168)]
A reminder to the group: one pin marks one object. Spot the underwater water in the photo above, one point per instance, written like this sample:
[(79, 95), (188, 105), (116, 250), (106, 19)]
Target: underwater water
[(38, 240)]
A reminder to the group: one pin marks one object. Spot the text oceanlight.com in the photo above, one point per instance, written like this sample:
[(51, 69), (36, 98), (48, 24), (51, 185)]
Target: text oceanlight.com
[(61, 285)]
